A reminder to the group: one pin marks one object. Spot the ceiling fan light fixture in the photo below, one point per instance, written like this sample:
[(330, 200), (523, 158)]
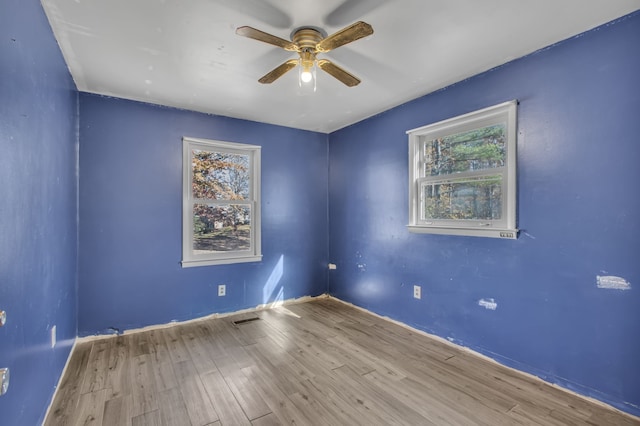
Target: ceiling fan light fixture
[(307, 70), (307, 42)]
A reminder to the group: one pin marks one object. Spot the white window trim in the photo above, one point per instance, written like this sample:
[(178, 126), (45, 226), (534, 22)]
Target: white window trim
[(253, 255), (503, 112)]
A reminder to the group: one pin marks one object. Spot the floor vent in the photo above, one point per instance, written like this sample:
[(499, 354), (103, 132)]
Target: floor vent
[(244, 321)]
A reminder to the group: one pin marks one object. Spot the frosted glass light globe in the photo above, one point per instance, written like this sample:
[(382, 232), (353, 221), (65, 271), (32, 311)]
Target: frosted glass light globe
[(306, 76)]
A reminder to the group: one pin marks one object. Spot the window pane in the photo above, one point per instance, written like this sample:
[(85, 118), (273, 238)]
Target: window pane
[(483, 148), (479, 198), (221, 228), (220, 175)]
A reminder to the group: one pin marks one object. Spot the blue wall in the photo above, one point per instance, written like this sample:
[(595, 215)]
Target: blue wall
[(38, 210), (131, 210), (578, 209), (579, 204)]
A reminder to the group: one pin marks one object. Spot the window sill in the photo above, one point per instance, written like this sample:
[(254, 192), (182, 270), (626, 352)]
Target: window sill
[(505, 234), (226, 261)]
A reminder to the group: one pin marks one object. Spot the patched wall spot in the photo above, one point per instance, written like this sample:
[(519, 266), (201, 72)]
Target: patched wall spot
[(612, 282), (489, 303)]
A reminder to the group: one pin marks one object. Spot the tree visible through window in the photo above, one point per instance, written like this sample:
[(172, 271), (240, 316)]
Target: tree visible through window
[(467, 198), (221, 205), (463, 174)]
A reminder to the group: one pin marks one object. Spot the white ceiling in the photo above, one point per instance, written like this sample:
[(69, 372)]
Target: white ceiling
[(185, 53)]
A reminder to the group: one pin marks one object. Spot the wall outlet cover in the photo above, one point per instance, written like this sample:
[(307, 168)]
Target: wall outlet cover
[(417, 292)]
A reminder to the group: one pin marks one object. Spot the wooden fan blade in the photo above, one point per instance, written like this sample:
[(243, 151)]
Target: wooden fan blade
[(342, 75), (346, 35), (278, 72), (266, 38)]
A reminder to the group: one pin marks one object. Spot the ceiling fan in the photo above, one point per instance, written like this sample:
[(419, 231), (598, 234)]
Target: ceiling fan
[(308, 42)]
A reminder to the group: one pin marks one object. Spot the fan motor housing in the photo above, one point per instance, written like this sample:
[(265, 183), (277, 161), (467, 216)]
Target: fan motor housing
[(306, 38)]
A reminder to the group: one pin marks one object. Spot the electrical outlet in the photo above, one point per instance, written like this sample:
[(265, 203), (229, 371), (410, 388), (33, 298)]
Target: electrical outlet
[(417, 292), (222, 290), (53, 336)]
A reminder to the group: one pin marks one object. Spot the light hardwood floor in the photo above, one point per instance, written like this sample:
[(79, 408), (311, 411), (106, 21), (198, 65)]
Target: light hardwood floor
[(315, 363)]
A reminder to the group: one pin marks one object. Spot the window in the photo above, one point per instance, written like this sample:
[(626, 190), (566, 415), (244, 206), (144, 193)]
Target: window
[(220, 203), (462, 174)]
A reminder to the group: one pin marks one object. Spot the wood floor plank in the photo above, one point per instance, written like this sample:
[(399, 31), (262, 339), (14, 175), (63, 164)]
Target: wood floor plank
[(268, 420), (278, 366), (91, 408), (429, 406), (361, 359), (160, 362), (335, 405), (200, 350), (138, 344), (349, 398), (225, 336), (331, 313), (395, 410), (316, 363), (118, 374), (314, 410), (430, 368), (199, 406), (276, 399), (315, 347), (66, 400), (304, 323), (439, 376), (165, 377), (97, 367), (540, 416), (157, 346), (247, 332), (407, 339), (278, 337), (224, 402), (175, 345), (173, 410), (390, 344), (244, 391), (117, 411), (151, 418), (518, 389), (143, 388)]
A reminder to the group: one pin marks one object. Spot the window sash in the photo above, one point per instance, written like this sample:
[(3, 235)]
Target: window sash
[(505, 227), (422, 218), (426, 141), (233, 151), (212, 257), (234, 239)]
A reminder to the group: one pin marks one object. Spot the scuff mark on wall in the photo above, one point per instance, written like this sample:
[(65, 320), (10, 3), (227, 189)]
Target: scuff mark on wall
[(489, 303), (612, 282)]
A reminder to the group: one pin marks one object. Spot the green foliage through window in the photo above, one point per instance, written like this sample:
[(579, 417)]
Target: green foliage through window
[(463, 199), (477, 149)]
